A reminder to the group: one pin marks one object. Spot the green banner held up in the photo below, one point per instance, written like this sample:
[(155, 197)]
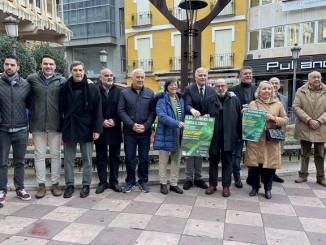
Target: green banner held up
[(197, 136), (253, 124)]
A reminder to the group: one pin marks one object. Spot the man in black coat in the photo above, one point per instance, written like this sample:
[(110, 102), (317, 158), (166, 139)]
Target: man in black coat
[(245, 91), (227, 132), (194, 95), (81, 107), (111, 136)]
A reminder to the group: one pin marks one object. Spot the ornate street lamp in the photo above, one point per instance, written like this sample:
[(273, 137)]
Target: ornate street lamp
[(295, 55), (191, 31), (11, 25), (103, 57), (191, 56)]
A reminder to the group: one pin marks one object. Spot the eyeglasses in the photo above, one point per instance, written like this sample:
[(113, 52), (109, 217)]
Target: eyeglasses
[(173, 85)]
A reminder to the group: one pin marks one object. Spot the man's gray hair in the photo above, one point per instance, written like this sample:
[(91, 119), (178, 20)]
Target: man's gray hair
[(76, 63), (136, 70), (245, 68)]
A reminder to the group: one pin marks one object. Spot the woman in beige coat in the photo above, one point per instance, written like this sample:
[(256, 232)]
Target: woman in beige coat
[(265, 156)]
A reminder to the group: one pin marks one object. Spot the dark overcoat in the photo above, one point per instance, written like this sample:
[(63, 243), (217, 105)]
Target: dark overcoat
[(112, 135), (232, 127), (81, 110)]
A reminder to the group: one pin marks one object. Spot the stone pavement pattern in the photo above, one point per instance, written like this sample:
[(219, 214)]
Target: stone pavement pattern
[(295, 215)]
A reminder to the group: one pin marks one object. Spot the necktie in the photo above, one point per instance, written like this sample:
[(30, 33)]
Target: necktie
[(201, 93)]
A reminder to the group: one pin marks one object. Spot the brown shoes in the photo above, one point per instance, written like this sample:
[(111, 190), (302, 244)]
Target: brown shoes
[(40, 191), (210, 190), (226, 192), (55, 190), (322, 182)]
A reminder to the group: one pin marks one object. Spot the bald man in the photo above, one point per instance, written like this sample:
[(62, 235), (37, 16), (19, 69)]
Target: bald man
[(310, 108), (111, 136), (227, 132), (276, 83)]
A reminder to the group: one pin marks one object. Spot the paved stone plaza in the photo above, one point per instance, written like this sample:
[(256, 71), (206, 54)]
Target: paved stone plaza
[(295, 215)]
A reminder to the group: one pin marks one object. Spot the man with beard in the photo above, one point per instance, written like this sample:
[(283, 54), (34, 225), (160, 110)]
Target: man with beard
[(111, 136), (245, 92), (14, 92), (227, 132), (80, 104)]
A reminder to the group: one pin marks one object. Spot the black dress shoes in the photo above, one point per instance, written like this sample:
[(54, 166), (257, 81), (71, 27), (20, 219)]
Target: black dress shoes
[(69, 191), (253, 192), (268, 194), (238, 183), (115, 187), (84, 191), (101, 188), (164, 189), (201, 184), (278, 179), (176, 189), (187, 185)]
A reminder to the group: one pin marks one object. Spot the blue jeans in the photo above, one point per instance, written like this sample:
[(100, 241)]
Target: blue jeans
[(131, 141), (236, 159), (18, 141)]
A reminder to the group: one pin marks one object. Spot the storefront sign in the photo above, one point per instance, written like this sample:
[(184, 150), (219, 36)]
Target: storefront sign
[(289, 65), (302, 4)]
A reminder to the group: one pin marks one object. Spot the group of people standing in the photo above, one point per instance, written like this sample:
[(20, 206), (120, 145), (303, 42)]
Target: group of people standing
[(80, 112)]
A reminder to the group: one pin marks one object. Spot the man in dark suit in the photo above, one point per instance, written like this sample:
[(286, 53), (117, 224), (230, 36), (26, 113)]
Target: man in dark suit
[(194, 95), (111, 136), (245, 92), (284, 100)]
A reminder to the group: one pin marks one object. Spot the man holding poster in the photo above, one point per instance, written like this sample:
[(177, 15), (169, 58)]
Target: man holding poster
[(227, 132), (194, 95)]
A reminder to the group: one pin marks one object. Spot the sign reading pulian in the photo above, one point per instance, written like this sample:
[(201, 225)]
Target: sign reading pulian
[(301, 65)]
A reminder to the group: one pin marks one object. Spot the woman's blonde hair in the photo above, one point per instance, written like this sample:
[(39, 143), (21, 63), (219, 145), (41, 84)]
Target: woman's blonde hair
[(261, 85)]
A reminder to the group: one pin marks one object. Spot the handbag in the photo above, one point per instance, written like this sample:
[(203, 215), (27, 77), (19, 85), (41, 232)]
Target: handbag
[(275, 134)]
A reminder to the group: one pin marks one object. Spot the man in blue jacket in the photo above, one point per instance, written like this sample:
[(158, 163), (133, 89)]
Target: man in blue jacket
[(14, 93), (136, 109), (80, 104)]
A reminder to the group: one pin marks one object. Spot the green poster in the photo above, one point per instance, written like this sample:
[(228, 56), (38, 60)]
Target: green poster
[(253, 124), (197, 136)]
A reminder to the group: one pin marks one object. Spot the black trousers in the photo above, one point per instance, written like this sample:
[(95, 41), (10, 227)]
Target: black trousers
[(226, 157), (268, 175), (105, 163)]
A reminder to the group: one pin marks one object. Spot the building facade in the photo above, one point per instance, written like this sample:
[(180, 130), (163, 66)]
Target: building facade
[(154, 44), (97, 25), (37, 20), (274, 27)]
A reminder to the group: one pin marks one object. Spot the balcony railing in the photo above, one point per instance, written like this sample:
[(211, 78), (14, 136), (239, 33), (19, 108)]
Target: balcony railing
[(221, 60), (179, 13), (145, 65), (175, 63), (228, 10), (141, 19)]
